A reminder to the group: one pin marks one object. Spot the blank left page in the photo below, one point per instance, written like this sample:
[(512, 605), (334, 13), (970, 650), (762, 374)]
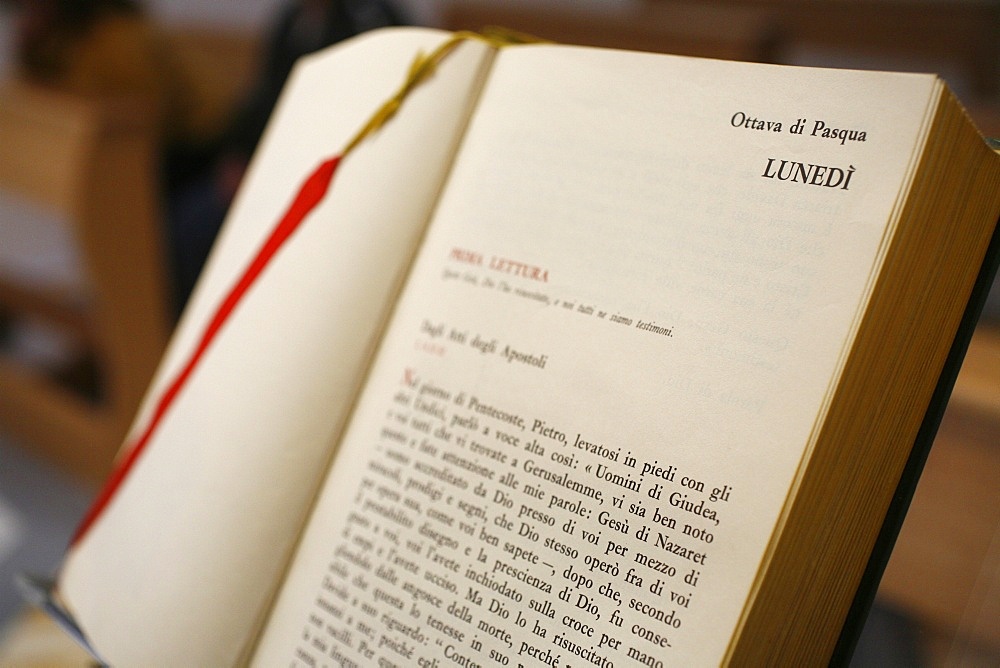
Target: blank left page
[(181, 565)]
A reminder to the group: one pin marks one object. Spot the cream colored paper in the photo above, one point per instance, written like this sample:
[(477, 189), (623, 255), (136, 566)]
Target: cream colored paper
[(181, 566), (611, 221)]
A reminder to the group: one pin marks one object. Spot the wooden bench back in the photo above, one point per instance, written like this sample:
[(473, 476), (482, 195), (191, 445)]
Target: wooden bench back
[(93, 165)]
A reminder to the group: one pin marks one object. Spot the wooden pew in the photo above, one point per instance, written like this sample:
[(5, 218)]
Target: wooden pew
[(89, 165)]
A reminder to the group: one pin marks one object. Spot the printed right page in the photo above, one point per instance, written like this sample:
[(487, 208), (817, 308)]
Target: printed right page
[(611, 356)]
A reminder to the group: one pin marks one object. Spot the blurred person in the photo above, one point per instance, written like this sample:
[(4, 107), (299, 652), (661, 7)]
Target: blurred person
[(300, 28), (112, 48)]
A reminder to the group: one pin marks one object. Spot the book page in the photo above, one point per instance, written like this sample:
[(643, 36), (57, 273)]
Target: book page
[(606, 367), (179, 568)]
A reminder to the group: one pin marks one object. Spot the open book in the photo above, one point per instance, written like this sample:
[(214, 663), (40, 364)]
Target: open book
[(587, 357)]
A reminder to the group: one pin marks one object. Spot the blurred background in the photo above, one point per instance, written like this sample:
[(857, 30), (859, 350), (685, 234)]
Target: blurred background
[(124, 130)]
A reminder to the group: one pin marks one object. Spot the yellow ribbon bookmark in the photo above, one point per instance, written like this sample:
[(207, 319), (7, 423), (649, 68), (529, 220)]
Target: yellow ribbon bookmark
[(423, 66)]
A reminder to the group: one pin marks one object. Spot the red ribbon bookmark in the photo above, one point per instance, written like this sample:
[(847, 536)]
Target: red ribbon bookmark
[(310, 193)]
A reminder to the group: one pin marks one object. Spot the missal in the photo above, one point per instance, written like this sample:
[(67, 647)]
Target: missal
[(578, 357)]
